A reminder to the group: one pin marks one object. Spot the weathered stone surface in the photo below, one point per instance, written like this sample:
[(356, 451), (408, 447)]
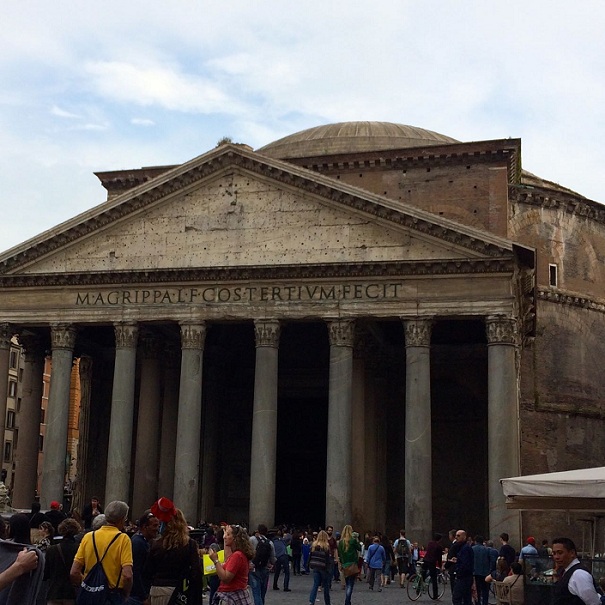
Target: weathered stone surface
[(239, 221)]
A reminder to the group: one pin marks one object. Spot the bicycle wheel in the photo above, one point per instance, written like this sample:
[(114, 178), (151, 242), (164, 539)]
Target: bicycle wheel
[(415, 586), (441, 582)]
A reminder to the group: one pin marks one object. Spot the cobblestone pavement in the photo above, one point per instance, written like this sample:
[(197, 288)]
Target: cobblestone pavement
[(300, 587)]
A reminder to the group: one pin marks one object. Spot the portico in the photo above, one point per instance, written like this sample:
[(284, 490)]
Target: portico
[(284, 293)]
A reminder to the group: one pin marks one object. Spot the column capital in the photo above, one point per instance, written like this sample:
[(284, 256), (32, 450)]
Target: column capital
[(6, 333), (501, 330), (62, 336), (193, 335), (126, 334), (417, 331), (341, 332), (266, 332)]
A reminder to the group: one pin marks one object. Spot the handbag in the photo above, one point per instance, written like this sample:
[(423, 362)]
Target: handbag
[(351, 570), (180, 596)]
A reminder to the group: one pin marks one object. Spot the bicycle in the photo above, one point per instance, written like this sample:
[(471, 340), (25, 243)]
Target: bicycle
[(418, 584), (442, 581)]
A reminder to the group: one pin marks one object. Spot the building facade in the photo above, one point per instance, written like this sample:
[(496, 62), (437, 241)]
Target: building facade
[(360, 322)]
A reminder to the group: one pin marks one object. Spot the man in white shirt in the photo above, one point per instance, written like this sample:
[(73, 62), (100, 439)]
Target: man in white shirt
[(576, 584)]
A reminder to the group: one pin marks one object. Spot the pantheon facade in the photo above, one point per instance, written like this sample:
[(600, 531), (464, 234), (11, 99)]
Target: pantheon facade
[(362, 322)]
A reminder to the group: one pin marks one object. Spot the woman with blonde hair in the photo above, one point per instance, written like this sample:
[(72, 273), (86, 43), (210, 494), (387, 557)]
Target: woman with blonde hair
[(348, 555), (233, 573), (173, 562), (321, 565)]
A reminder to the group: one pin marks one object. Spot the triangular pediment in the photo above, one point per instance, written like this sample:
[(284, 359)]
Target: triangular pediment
[(235, 208)]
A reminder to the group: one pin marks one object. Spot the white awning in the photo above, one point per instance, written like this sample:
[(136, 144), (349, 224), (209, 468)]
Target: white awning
[(581, 489)]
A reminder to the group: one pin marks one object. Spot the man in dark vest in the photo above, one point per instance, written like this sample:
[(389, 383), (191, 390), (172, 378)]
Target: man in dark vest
[(576, 585)]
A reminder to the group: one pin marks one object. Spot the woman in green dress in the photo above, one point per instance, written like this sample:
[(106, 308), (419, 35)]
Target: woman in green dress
[(348, 556)]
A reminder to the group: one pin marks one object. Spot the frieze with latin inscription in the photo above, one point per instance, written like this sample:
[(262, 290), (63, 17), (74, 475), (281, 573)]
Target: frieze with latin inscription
[(240, 294)]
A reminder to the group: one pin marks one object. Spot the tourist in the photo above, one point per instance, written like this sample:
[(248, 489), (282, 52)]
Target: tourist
[(172, 559), (515, 581), (348, 555), (464, 560), (233, 573), (320, 563), (141, 543), (375, 558), (18, 529), (59, 559), (117, 561), (90, 511)]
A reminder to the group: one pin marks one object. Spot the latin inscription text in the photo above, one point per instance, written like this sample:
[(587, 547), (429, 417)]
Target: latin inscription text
[(240, 294)]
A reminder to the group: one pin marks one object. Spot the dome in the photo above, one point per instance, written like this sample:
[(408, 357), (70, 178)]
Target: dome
[(351, 137)]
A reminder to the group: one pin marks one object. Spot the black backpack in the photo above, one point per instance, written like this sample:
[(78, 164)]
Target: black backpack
[(403, 548), (263, 552), (318, 559), (94, 587)]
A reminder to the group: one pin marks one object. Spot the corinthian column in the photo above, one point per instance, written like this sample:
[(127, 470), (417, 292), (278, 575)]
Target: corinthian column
[(28, 421), (170, 408), (122, 409), (187, 462), (81, 484), (146, 465), (63, 339), (502, 421), (418, 445), (339, 508), (264, 424), (6, 333)]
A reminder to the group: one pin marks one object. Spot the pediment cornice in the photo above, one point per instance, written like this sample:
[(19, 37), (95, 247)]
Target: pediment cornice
[(260, 273), (230, 157)]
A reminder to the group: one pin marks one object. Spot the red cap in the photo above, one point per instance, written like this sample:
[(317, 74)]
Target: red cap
[(531, 540), (163, 509), (54, 504)]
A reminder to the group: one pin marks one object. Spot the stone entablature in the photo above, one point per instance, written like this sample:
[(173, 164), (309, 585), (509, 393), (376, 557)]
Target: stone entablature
[(280, 272), (434, 155), (572, 299), (558, 200), (472, 294)]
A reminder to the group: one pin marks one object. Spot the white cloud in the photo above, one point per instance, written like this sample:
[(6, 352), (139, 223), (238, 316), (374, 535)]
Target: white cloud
[(62, 113), (159, 85), (74, 76), (142, 122)]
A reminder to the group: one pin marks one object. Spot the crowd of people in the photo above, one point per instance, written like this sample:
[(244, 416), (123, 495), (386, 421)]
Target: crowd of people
[(161, 560)]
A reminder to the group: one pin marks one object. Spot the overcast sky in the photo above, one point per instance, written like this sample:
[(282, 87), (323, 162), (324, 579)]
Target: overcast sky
[(91, 86)]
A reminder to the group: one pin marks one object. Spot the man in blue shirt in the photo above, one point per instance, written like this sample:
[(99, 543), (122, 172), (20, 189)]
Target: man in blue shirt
[(282, 561), (481, 569), (529, 548), (375, 558), (141, 543)]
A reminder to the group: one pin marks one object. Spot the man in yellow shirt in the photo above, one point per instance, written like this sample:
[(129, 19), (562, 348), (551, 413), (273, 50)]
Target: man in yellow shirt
[(118, 562)]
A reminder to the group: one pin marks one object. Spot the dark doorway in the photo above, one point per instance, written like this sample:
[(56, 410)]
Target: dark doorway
[(302, 428), (459, 427), (302, 424)]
